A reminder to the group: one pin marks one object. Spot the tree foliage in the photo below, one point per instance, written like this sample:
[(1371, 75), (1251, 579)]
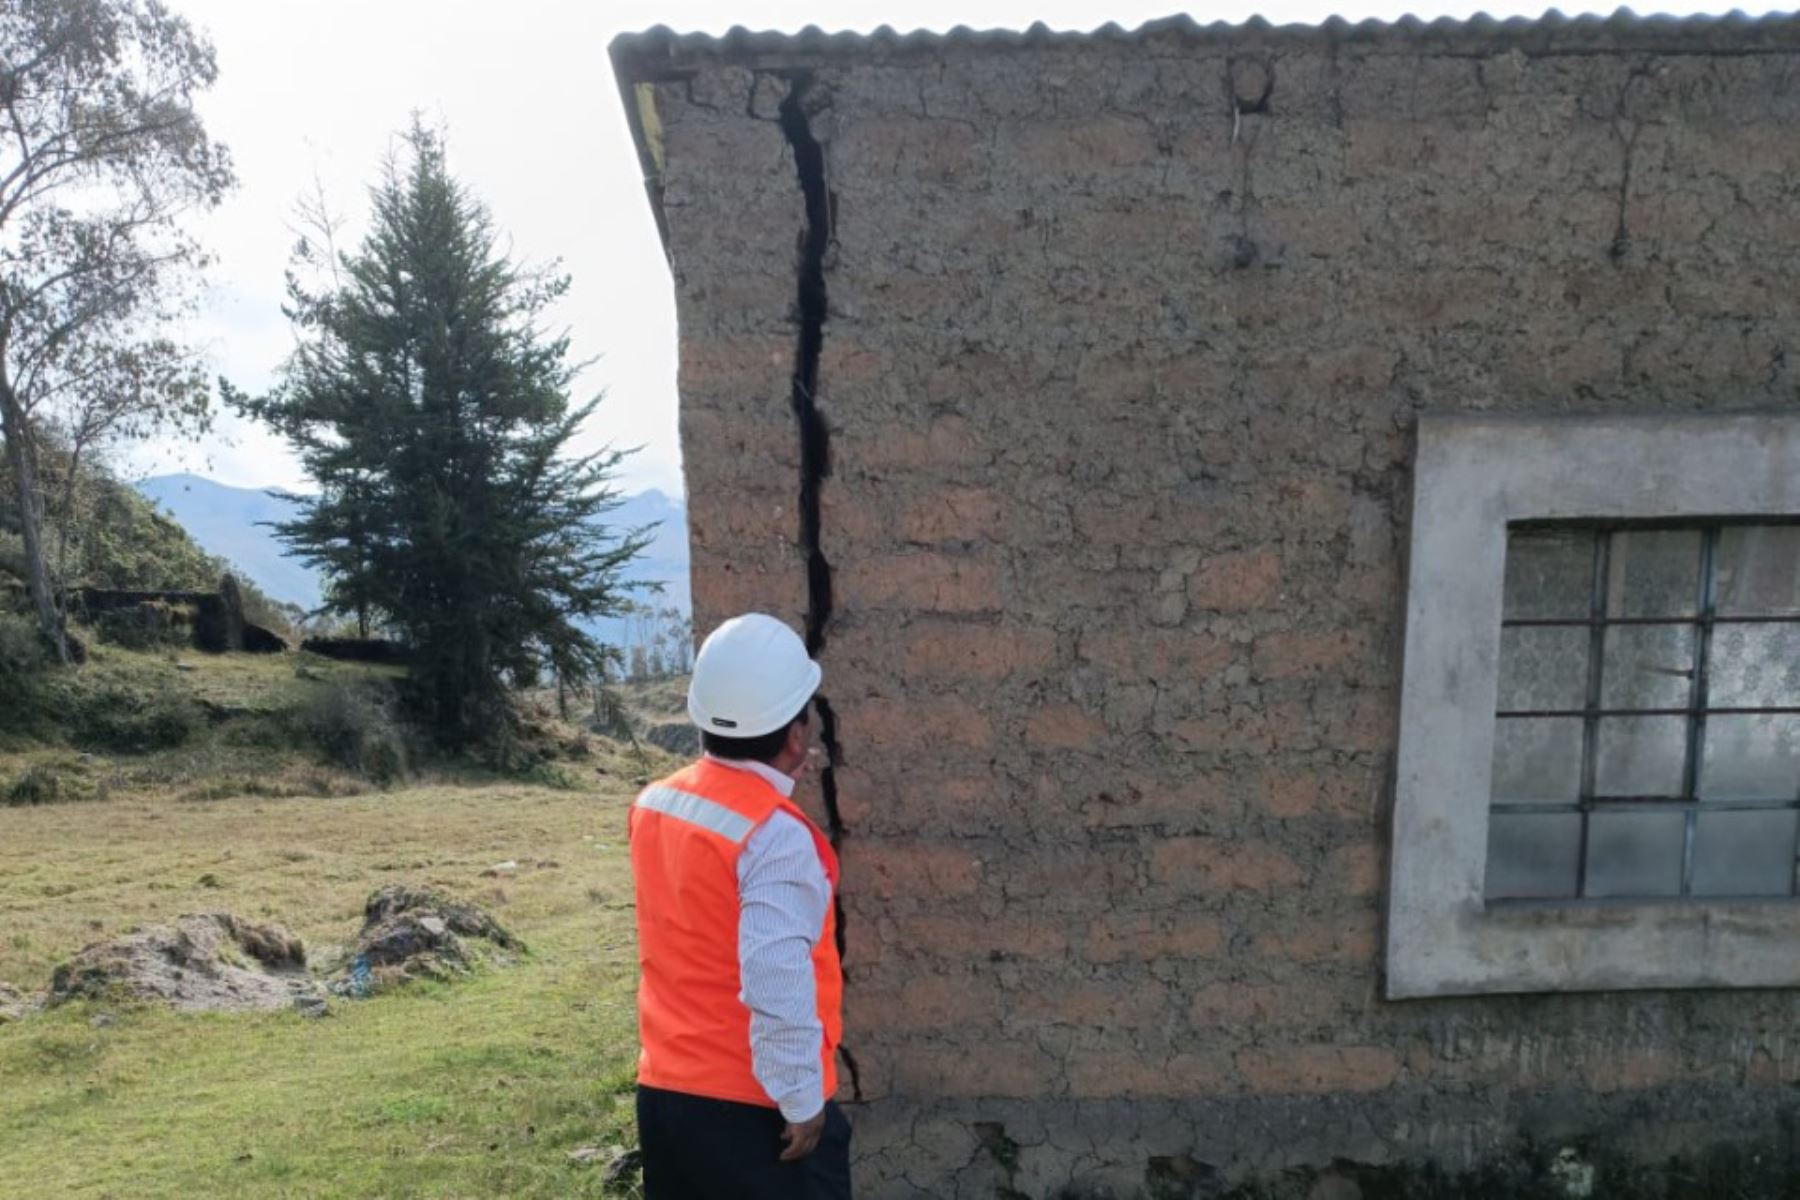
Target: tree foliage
[(101, 156), (659, 641), (434, 413)]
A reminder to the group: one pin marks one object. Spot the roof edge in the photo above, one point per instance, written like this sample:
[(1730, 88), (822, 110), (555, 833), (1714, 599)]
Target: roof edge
[(660, 52)]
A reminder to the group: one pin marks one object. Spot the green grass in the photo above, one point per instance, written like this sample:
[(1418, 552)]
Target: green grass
[(475, 1088), (239, 685)]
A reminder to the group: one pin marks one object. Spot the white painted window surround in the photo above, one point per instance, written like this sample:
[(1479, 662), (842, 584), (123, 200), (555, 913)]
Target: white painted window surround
[(1473, 475)]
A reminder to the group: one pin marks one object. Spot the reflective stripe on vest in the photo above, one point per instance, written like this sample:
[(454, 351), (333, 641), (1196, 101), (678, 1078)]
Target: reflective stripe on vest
[(697, 810), (687, 833)]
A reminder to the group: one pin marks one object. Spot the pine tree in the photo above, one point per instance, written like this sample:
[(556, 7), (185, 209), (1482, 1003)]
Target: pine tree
[(433, 411)]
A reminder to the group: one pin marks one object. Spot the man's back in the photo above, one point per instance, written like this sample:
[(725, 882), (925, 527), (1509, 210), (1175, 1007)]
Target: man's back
[(739, 1002)]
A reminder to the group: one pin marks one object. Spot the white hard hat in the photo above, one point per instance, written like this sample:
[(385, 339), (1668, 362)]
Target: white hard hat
[(751, 677)]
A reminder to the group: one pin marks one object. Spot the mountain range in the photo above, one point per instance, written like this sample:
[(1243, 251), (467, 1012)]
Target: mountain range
[(232, 522)]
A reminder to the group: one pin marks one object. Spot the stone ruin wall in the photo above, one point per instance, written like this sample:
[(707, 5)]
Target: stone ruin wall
[(1123, 347)]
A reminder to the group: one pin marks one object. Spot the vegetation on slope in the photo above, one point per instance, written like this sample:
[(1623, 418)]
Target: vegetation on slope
[(106, 535)]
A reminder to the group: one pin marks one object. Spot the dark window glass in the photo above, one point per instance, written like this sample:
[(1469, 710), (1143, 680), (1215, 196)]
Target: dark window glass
[(1634, 853), (1744, 853), (1533, 855)]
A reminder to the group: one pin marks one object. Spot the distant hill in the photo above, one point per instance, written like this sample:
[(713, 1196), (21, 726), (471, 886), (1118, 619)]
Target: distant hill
[(665, 559), (227, 521)]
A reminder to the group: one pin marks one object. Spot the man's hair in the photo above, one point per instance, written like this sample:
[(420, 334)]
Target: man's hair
[(763, 749)]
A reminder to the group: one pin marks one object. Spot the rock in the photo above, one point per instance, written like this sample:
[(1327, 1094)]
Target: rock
[(204, 962), (14, 1004), (622, 1169), (312, 1006), (261, 640), (677, 737), (1335, 1187), (1572, 1176), (369, 650), (622, 1166), (414, 933), (220, 627)]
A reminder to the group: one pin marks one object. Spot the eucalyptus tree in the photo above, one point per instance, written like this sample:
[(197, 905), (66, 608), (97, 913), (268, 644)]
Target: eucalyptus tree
[(102, 157)]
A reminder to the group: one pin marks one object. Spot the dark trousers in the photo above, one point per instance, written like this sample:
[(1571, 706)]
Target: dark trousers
[(700, 1149)]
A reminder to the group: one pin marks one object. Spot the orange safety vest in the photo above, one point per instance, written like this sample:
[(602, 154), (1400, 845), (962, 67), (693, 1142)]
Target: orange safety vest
[(693, 1025)]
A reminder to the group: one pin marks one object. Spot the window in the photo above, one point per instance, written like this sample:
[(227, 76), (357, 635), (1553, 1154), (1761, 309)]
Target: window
[(1597, 776), (1647, 742)]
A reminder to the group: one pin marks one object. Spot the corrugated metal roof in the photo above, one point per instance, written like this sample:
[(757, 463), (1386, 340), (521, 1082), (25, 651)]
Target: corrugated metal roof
[(661, 50)]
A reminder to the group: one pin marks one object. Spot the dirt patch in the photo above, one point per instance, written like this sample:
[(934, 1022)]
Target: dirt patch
[(204, 962), (415, 933)]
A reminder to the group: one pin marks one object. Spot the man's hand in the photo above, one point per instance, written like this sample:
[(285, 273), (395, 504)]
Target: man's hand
[(802, 1138)]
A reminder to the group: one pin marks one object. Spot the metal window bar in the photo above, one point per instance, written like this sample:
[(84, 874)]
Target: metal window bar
[(1577, 622), (1590, 722), (1696, 722), (1696, 712), (1777, 710), (1641, 803)]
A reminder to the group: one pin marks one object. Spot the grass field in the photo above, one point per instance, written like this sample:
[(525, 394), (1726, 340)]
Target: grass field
[(477, 1088)]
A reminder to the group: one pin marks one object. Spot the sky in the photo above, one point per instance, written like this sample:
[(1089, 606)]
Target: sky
[(316, 91)]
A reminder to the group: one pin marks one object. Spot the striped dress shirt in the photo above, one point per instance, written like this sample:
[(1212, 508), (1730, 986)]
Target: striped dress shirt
[(784, 895)]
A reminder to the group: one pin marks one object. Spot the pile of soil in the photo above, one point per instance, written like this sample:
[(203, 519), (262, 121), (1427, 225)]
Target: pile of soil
[(213, 962), (204, 962), (416, 933)]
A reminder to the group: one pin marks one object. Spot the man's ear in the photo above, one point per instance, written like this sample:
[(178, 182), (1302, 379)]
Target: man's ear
[(799, 736)]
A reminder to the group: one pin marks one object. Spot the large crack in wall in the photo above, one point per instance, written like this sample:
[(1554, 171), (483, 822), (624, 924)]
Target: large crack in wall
[(815, 449)]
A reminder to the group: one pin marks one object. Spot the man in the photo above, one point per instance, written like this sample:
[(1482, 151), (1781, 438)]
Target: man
[(739, 1010)]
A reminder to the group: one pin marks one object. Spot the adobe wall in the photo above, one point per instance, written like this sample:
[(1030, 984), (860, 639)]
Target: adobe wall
[(1125, 341)]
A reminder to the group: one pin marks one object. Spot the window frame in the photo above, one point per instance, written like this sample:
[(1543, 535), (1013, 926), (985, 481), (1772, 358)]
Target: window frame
[(1474, 477)]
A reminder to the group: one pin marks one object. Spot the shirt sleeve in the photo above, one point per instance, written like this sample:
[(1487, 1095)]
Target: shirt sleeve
[(783, 894)]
